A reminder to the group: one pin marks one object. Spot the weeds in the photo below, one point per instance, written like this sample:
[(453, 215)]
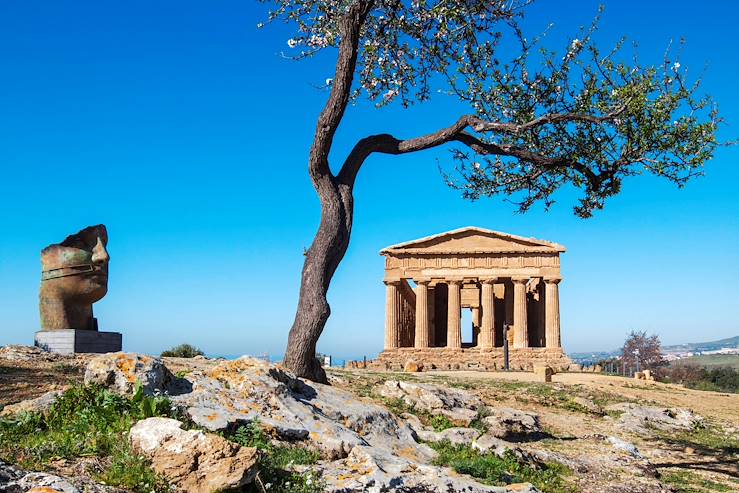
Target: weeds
[(277, 463), (499, 471), (86, 421)]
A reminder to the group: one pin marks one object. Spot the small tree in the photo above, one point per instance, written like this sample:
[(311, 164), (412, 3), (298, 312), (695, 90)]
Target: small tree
[(183, 351), (537, 120), (646, 349)]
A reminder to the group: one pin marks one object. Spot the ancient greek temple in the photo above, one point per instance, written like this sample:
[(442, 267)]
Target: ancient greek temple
[(500, 278)]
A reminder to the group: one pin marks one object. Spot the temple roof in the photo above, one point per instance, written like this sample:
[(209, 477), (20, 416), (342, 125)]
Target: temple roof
[(473, 240)]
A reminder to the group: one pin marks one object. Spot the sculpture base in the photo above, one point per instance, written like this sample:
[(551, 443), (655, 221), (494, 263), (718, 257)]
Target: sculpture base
[(71, 341)]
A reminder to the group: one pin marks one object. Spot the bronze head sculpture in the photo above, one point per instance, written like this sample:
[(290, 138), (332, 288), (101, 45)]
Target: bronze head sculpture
[(74, 275)]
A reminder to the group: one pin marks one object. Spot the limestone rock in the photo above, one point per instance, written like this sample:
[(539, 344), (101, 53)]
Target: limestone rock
[(458, 416), (625, 446), (333, 420), (194, 461), (14, 480), (587, 404), (512, 424), (121, 371), (364, 470), (637, 419), (412, 366), (456, 436), (431, 398), (40, 404), (15, 352)]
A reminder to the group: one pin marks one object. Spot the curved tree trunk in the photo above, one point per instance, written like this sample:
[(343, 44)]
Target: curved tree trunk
[(335, 194), (321, 260)]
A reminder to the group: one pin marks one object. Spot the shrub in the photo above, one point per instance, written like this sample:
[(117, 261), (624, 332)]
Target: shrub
[(183, 351)]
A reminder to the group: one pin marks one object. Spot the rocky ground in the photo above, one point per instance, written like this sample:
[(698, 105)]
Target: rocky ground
[(373, 431)]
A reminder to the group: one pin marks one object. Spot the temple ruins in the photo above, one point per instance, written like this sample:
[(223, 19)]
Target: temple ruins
[(501, 278)]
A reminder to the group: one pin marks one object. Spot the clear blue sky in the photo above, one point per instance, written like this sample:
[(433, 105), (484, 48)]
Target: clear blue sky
[(179, 126)]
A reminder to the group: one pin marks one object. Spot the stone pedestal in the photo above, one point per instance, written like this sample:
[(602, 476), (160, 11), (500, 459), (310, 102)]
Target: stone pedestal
[(71, 341)]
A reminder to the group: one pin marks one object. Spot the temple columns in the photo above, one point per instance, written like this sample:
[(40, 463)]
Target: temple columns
[(422, 314), (392, 305), (454, 327), (487, 334), (520, 320), (551, 297)]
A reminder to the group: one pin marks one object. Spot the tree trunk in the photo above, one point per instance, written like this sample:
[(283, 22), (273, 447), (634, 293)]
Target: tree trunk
[(321, 260)]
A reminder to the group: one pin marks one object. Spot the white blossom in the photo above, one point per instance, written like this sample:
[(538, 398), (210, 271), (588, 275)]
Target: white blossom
[(676, 66), (329, 81), (292, 43)]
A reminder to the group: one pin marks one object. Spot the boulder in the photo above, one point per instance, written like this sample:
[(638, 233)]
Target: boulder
[(412, 366), (638, 419), (121, 371), (40, 404), (513, 425), (194, 461)]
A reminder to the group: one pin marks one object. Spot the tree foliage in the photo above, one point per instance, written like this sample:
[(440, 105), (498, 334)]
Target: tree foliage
[(647, 349), (539, 119)]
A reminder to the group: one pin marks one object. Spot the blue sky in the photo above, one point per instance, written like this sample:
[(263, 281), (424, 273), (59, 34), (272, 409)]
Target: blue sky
[(180, 127)]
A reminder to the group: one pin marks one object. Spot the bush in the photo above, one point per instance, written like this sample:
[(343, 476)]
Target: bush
[(183, 351), (719, 379), (86, 421)]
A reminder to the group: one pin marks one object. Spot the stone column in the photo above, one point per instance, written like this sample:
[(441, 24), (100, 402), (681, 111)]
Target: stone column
[(422, 314), (487, 330), (551, 297), (453, 325), (392, 315), (520, 321)]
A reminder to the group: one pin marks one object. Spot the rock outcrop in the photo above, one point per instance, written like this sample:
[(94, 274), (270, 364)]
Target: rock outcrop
[(638, 419), (194, 461), (363, 445)]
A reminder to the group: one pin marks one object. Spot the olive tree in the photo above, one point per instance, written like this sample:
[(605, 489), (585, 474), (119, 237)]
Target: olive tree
[(538, 120)]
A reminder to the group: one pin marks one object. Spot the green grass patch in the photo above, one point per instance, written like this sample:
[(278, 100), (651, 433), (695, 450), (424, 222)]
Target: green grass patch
[(500, 471), (86, 421), (276, 463), (688, 482)]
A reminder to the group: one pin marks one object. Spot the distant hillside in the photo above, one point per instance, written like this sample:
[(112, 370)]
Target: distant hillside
[(731, 342)]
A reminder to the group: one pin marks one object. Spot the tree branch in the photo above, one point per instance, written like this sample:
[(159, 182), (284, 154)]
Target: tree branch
[(387, 144)]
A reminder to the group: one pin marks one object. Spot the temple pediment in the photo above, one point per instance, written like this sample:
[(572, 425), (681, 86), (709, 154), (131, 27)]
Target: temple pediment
[(472, 240)]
